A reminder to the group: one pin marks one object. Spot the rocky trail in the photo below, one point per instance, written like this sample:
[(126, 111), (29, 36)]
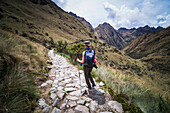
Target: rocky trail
[(62, 93)]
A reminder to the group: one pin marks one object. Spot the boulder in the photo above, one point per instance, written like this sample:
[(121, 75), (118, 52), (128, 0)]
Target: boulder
[(115, 106)]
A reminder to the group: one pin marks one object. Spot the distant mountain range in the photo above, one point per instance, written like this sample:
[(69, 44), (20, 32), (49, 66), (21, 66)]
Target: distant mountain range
[(130, 34), (121, 37), (152, 47)]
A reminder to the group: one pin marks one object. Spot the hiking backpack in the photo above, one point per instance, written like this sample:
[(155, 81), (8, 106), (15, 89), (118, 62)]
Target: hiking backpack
[(89, 57)]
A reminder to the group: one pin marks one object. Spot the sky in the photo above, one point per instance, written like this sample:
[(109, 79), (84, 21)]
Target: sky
[(120, 13)]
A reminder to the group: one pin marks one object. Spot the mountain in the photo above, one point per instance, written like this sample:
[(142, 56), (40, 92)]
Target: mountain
[(109, 35), (82, 20), (41, 21), (152, 47), (130, 34)]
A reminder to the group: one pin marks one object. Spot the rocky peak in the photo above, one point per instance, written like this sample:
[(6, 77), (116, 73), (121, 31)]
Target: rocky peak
[(122, 29), (109, 35)]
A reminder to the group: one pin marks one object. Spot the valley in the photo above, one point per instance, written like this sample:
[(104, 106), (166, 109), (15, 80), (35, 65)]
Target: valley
[(133, 63)]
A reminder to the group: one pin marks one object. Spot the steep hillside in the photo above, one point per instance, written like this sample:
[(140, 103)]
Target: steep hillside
[(152, 47), (82, 20), (41, 21), (130, 34), (109, 35)]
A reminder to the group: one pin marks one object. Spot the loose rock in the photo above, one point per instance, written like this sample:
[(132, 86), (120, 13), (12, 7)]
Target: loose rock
[(53, 96), (70, 89), (72, 103), (72, 97), (46, 109), (56, 110), (61, 95), (56, 102), (82, 109), (93, 106), (117, 107), (82, 102)]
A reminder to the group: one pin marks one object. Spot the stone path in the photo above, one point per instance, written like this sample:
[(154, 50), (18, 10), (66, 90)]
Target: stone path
[(64, 94)]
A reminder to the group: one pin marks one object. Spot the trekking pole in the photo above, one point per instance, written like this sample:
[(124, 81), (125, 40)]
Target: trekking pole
[(79, 76)]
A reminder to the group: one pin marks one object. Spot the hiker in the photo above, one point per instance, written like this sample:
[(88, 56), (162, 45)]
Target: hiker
[(88, 58)]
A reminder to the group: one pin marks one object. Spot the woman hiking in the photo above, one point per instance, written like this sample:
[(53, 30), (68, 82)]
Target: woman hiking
[(88, 58)]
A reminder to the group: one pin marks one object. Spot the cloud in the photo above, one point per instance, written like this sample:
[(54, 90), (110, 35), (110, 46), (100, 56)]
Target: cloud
[(124, 16), (60, 3), (120, 13), (163, 20)]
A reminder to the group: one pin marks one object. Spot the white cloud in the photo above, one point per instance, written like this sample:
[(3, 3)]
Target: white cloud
[(124, 16), (120, 13), (163, 20)]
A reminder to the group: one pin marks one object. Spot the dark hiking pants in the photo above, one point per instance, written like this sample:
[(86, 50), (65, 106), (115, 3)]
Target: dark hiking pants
[(88, 77)]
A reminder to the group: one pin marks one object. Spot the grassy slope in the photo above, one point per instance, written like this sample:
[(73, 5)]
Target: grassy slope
[(41, 21), (25, 31), (34, 21), (152, 47)]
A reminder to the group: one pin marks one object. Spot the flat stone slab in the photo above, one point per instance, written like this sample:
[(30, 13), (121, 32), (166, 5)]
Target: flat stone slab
[(56, 110), (69, 97), (70, 89), (70, 111), (76, 93), (53, 96), (87, 99), (61, 95), (71, 103), (81, 102), (62, 83), (93, 106), (49, 82), (56, 102), (46, 109), (42, 103), (70, 85), (44, 84), (82, 109), (60, 88), (68, 80)]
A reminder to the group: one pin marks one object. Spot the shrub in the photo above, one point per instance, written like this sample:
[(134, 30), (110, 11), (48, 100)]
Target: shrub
[(76, 50), (61, 46), (18, 92)]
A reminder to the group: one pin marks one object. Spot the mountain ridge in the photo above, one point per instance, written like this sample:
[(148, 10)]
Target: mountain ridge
[(109, 35), (83, 20), (151, 47)]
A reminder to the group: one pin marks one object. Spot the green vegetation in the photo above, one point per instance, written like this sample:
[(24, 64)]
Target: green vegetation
[(18, 92), (126, 90), (17, 60), (132, 90)]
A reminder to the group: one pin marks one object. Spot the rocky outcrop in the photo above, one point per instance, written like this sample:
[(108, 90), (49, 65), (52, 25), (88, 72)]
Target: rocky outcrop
[(109, 35)]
